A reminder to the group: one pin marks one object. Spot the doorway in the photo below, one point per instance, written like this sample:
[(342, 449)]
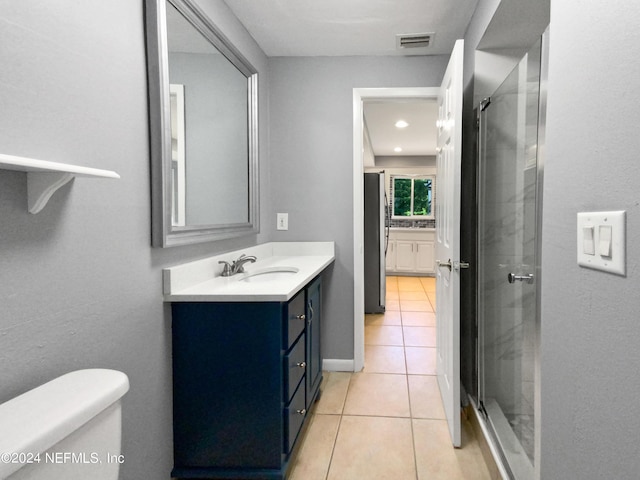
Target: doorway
[(361, 95)]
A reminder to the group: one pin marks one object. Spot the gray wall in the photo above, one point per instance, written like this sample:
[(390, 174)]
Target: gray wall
[(311, 125), (81, 286), (590, 320)]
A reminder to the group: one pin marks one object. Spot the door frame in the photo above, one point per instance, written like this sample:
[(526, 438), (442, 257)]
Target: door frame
[(359, 96)]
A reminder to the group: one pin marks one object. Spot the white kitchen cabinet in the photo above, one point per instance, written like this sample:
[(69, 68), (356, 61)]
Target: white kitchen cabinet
[(411, 252), (424, 257), (405, 256)]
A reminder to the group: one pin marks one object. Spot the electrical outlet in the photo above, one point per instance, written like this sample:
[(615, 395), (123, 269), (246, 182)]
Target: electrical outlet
[(283, 221)]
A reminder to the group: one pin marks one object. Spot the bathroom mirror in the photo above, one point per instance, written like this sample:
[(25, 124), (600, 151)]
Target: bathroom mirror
[(203, 122)]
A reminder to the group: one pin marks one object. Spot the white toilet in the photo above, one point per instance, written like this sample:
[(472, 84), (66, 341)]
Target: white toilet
[(67, 429)]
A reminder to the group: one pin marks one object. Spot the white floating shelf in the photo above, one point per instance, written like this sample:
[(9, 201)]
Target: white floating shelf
[(44, 177)]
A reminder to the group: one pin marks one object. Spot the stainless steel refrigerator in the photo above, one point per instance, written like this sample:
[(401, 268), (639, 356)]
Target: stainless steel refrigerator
[(376, 238)]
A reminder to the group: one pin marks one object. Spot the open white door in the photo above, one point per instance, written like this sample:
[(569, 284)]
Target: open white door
[(448, 239)]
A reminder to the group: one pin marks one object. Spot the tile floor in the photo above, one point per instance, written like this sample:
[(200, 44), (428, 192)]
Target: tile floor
[(387, 422)]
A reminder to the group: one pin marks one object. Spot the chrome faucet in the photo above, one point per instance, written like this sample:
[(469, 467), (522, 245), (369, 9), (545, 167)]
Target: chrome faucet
[(236, 266)]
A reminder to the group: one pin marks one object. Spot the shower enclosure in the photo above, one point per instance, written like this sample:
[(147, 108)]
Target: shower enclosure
[(509, 181)]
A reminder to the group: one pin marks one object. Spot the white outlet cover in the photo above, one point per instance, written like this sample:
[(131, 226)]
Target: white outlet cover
[(616, 263)]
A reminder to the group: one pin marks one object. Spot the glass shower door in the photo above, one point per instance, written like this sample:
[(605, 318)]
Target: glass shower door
[(507, 237)]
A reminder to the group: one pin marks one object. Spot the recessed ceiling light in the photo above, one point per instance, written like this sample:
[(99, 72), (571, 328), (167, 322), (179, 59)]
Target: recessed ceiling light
[(401, 124), (397, 149)]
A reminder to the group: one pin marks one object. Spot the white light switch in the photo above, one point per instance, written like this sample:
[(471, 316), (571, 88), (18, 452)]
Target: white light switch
[(282, 221), (604, 248), (602, 240), (588, 245)]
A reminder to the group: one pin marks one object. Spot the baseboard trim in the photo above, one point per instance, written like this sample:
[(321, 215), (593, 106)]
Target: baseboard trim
[(337, 365)]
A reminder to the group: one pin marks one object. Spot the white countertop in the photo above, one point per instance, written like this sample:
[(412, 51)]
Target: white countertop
[(412, 229), (200, 281)]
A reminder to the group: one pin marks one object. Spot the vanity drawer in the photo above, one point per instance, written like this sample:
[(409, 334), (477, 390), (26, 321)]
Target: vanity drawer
[(295, 320), (294, 415), (294, 368)]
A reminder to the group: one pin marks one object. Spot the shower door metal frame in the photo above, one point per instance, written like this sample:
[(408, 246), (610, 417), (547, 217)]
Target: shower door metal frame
[(540, 164), (542, 140)]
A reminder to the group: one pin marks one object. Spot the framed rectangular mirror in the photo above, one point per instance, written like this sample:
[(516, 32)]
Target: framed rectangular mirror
[(203, 109)]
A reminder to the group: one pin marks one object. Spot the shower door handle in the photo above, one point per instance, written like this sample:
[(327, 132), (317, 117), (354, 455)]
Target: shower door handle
[(513, 278)]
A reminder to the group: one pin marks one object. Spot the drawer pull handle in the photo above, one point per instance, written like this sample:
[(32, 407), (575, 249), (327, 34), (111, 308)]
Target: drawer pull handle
[(302, 364), (301, 317), (302, 412)]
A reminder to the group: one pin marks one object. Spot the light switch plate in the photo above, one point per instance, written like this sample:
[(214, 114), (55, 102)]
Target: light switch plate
[(616, 261), (282, 221)]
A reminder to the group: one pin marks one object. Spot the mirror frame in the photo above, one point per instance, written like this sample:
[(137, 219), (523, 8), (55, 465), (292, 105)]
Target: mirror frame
[(163, 233)]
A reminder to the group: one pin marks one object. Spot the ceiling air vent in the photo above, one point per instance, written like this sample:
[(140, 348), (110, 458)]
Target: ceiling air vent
[(414, 40)]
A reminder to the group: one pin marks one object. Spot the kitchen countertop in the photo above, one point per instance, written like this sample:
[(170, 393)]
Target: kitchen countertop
[(412, 229), (201, 281)]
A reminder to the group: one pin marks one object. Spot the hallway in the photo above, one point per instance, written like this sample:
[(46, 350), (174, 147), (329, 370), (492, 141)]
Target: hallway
[(387, 422)]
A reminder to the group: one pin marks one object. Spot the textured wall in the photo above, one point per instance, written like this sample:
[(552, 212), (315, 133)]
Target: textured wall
[(590, 327), (311, 125), (81, 286)]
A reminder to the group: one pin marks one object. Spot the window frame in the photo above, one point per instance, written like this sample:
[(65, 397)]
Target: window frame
[(413, 178)]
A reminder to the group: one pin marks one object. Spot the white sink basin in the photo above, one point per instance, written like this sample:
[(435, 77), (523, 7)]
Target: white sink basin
[(269, 274)]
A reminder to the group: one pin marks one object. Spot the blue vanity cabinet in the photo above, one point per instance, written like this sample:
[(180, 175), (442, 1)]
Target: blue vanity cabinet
[(314, 354), (244, 377)]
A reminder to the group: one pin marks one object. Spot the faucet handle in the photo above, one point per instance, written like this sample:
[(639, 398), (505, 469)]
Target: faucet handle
[(227, 269)]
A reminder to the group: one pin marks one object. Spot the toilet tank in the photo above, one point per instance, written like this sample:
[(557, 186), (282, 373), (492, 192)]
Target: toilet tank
[(68, 429)]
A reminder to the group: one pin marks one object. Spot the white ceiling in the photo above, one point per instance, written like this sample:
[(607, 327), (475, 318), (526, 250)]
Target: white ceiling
[(363, 27), (351, 27), (418, 138)]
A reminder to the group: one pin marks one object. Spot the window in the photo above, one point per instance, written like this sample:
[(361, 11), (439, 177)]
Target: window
[(412, 196)]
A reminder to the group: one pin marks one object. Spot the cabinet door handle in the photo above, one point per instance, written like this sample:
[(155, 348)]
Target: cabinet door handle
[(302, 412), (302, 364), (301, 317)]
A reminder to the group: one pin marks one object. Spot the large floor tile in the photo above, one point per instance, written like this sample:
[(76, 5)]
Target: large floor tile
[(420, 360), (383, 335), (392, 294), (418, 319), (365, 425), (418, 296), (432, 300), (391, 317), (314, 457), (416, 306), (410, 284), (373, 448), (419, 336), (333, 392), (425, 398), (428, 283), (436, 459), (392, 305), (384, 359), (378, 394)]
